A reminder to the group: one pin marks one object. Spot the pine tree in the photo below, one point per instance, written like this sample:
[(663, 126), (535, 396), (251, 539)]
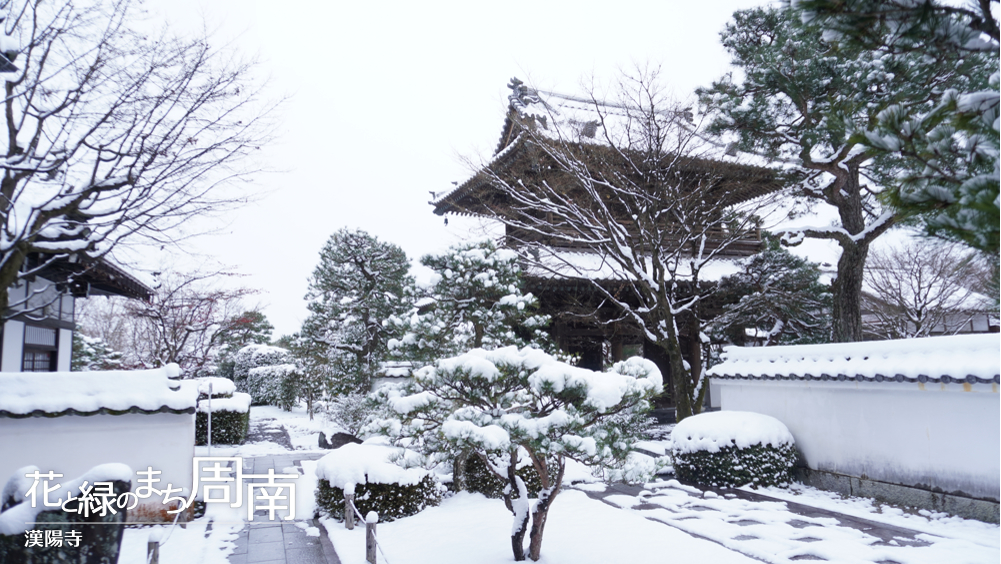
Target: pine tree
[(477, 301), (808, 104), (950, 144), (779, 297), (359, 283), (92, 353)]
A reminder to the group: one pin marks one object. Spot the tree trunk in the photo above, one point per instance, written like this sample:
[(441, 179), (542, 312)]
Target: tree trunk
[(847, 287), (521, 504), (541, 512), (459, 470), (847, 294), (681, 380)]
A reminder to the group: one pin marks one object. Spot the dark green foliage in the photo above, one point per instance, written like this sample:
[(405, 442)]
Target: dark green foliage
[(91, 353), (390, 501), (948, 144), (360, 282), (777, 294), (757, 465), (228, 427), (479, 301), (819, 107), (99, 544), (480, 479)]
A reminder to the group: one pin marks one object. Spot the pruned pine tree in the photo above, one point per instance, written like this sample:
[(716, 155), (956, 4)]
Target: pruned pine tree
[(359, 283), (808, 104), (925, 287), (633, 192), (777, 299), (112, 130), (949, 145), (507, 403), (477, 301)]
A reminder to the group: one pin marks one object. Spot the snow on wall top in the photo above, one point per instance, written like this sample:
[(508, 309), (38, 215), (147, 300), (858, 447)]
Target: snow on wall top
[(743, 429), (23, 394), (968, 358)]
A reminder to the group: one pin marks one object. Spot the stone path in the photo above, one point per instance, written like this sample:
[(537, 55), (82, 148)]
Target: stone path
[(281, 542), (268, 430), (755, 525)]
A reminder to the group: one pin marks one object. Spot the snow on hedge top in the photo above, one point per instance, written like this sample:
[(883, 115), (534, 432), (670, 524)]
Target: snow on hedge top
[(743, 429), (958, 357), (22, 393), (239, 403), (365, 463)]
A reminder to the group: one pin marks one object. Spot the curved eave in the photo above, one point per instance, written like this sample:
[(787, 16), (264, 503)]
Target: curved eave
[(922, 378), (101, 411)]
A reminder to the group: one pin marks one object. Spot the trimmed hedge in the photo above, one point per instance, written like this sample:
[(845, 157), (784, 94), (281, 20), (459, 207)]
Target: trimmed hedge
[(480, 479), (390, 501), (757, 465), (228, 427)]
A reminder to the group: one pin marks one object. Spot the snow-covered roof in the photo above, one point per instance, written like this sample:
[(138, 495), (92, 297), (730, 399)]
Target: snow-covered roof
[(960, 358), (587, 121), (115, 392), (567, 264)]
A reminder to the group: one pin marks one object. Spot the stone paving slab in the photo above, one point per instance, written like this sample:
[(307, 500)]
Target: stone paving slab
[(802, 516), (280, 542)]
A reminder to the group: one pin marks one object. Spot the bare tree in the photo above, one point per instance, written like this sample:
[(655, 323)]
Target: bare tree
[(112, 132), (923, 287), (188, 320), (632, 191)]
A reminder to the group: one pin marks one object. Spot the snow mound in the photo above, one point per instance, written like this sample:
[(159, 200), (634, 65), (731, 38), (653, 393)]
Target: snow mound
[(365, 463), (89, 392), (743, 429), (958, 357)]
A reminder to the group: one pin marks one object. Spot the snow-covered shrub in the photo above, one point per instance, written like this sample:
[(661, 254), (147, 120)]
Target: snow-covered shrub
[(230, 420), (350, 412), (268, 374), (102, 535), (274, 385), (378, 484), (733, 448)]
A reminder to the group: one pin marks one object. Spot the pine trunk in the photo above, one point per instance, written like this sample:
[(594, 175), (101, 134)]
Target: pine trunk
[(847, 295)]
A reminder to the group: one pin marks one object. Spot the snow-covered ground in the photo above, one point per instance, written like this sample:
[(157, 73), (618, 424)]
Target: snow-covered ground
[(666, 521)]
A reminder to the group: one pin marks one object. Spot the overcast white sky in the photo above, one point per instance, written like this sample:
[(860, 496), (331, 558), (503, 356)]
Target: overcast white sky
[(386, 97)]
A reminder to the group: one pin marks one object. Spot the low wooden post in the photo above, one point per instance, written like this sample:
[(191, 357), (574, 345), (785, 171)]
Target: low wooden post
[(349, 512), (370, 521), (153, 552)]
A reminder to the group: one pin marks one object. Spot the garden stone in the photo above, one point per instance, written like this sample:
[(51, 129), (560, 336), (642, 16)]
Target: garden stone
[(337, 440)]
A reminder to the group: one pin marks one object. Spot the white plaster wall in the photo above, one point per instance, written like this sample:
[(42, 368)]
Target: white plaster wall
[(65, 350), (73, 444), (940, 435), (13, 346)]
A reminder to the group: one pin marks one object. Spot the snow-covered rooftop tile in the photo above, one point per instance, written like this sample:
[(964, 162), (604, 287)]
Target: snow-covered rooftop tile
[(24, 394), (960, 358)]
